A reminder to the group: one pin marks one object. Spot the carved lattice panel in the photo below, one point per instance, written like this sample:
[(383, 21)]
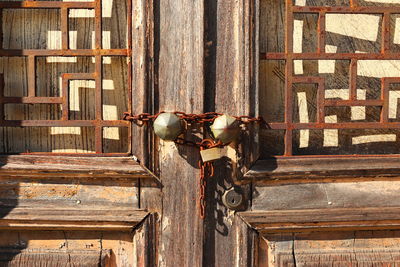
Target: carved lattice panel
[(65, 74), (330, 76)]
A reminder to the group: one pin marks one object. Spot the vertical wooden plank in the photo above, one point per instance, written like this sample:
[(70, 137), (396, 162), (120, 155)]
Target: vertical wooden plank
[(262, 259), (231, 77), (31, 76), (65, 96), (64, 28), (288, 80), (142, 75), (246, 245), (386, 33), (143, 242), (1, 95), (180, 87), (231, 67)]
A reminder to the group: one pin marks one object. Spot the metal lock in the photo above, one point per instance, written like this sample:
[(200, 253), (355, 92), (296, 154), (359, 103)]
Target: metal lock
[(167, 126), (225, 128), (211, 154), (233, 198)]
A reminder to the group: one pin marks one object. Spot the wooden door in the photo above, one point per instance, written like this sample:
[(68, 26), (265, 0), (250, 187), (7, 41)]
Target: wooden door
[(69, 184), (323, 188), (320, 179), (80, 186)]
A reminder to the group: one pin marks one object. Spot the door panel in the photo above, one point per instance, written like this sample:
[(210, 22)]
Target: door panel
[(61, 248), (353, 248), (322, 193)]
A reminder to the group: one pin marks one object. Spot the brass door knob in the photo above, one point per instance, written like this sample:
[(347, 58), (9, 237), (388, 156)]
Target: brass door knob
[(225, 128), (167, 126)]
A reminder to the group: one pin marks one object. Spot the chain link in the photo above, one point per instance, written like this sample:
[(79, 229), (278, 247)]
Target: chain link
[(206, 171), (206, 168), (208, 117)]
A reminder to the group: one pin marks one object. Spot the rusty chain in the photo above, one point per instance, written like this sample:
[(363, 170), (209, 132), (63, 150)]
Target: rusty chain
[(208, 117), (206, 168)]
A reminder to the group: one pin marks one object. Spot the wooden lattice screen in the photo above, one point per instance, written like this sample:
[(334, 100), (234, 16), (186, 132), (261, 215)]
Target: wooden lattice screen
[(65, 76), (330, 76)]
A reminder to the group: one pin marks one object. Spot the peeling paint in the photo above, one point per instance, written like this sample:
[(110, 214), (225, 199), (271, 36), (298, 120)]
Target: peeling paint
[(167, 149)]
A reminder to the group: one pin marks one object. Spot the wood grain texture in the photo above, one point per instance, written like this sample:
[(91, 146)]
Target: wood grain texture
[(41, 76), (245, 245), (53, 166), (341, 34), (180, 87), (53, 258), (72, 219), (142, 77), (333, 219), (144, 242), (231, 70), (314, 167), (231, 58), (73, 193), (349, 194), (114, 247), (360, 248)]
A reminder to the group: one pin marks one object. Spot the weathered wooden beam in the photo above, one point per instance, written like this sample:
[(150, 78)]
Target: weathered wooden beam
[(320, 167), (323, 219), (230, 87), (51, 166), (106, 219), (180, 87)]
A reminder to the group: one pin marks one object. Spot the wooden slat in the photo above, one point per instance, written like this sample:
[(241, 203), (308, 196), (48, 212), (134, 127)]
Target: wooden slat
[(45, 166), (180, 87), (142, 78), (231, 59), (289, 194), (72, 219), (46, 4), (53, 257), (350, 248), (145, 242), (320, 167), (323, 219)]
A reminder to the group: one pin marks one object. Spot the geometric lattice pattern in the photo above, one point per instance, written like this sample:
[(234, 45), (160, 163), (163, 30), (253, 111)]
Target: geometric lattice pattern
[(375, 63), (68, 52)]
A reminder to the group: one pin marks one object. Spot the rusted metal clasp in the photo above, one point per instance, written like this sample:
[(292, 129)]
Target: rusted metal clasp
[(225, 128), (206, 171)]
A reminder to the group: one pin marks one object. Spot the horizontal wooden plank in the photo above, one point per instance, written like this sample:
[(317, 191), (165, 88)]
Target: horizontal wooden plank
[(320, 167), (118, 219), (50, 166), (348, 248), (323, 219), (52, 257), (46, 4), (342, 194)]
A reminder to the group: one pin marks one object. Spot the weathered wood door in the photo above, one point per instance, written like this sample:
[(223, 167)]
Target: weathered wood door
[(320, 180), (317, 183)]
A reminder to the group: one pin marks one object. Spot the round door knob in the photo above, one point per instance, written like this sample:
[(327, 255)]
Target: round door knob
[(225, 128), (167, 126)]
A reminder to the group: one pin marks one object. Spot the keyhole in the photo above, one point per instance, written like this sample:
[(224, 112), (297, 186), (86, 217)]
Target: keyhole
[(232, 198)]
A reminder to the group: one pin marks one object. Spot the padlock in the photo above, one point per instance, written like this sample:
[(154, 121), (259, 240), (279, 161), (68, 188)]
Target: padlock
[(167, 126), (211, 154), (225, 128)]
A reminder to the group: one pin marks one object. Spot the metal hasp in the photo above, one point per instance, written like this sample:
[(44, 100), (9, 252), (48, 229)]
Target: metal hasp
[(167, 126), (225, 128)]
